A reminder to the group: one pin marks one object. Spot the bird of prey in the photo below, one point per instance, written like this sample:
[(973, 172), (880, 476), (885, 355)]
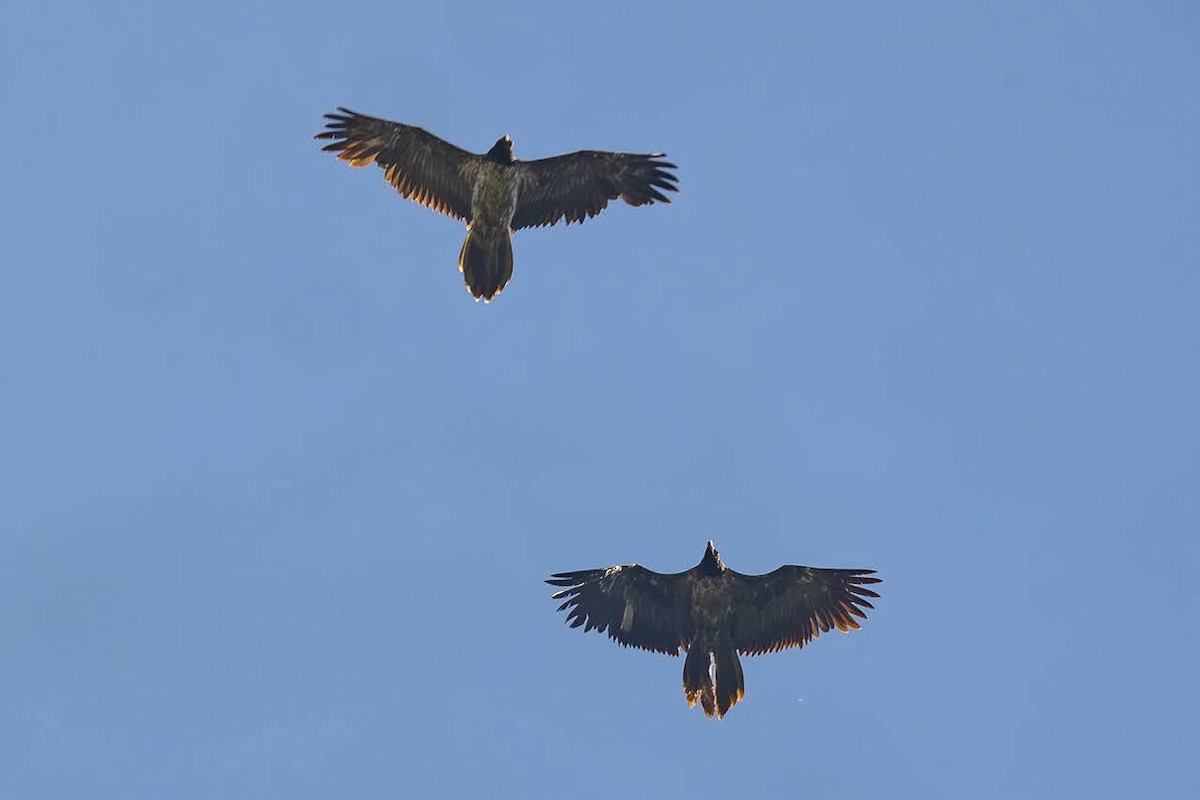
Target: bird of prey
[(714, 613), (494, 193)]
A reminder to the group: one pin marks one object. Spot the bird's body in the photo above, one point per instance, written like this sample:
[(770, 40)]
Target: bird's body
[(494, 200), (714, 613), (494, 193), (486, 256)]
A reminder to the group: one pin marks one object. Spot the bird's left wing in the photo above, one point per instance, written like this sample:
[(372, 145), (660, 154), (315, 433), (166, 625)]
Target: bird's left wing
[(422, 167), (579, 185), (793, 605), (636, 606)]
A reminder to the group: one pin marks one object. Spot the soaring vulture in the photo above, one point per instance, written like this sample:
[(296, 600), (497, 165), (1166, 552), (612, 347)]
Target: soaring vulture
[(494, 193), (714, 613)]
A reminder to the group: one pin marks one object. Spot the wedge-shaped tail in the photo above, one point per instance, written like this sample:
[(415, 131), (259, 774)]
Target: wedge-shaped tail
[(486, 264), (719, 691)]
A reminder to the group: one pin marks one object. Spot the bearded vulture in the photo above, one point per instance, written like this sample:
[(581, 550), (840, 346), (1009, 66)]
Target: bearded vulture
[(494, 193), (714, 613)]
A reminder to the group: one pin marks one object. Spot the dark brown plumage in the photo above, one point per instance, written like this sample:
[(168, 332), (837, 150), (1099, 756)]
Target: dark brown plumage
[(714, 613), (494, 193)]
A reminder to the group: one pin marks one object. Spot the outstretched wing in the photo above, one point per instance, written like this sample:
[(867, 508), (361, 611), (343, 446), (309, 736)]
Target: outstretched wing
[(421, 166), (793, 605), (636, 606), (579, 185)]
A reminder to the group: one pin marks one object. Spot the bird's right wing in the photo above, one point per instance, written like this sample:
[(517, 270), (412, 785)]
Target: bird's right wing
[(421, 167), (579, 185), (636, 606), (793, 605)]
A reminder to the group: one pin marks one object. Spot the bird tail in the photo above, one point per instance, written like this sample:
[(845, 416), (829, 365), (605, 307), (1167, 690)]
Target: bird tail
[(486, 263), (697, 684), (731, 687)]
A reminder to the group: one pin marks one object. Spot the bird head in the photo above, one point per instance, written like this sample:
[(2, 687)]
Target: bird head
[(502, 151), (712, 562)]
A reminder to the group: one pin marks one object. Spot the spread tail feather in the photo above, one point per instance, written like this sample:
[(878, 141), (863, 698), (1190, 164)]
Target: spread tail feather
[(697, 685), (486, 264), (727, 669)]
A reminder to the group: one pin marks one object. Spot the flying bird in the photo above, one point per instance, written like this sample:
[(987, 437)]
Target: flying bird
[(494, 193), (714, 613)]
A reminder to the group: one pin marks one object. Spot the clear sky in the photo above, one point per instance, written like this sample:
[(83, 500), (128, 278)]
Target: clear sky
[(277, 498)]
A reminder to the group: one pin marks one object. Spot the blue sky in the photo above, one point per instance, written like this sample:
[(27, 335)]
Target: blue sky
[(277, 497)]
